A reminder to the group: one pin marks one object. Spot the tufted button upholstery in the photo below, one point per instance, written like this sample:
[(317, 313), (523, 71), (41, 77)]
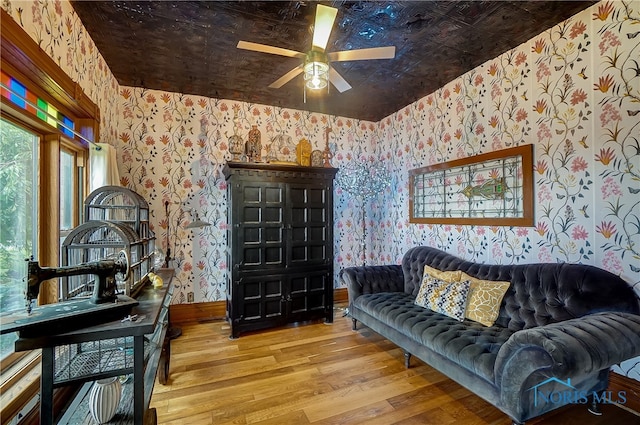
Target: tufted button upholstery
[(467, 343), (539, 294)]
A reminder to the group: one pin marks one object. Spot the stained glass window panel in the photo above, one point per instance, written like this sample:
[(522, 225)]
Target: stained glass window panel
[(497, 185)]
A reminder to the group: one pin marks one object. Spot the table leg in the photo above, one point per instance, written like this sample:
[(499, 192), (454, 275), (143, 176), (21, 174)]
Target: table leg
[(138, 379), (46, 387)]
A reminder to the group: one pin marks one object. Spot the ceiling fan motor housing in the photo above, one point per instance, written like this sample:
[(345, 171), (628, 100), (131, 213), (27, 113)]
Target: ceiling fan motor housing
[(316, 70)]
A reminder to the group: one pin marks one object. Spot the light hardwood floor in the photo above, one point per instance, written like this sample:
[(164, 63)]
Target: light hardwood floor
[(321, 374)]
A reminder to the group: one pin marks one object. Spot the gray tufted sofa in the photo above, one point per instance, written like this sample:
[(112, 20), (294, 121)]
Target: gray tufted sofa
[(560, 328)]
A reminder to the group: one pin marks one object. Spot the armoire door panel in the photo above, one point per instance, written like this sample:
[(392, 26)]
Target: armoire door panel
[(299, 233), (273, 234), (274, 194), (317, 196), (318, 233), (307, 292), (317, 252), (273, 255), (318, 214), (261, 225), (252, 194), (252, 215), (272, 214), (261, 297), (252, 235), (299, 253), (299, 215), (251, 257)]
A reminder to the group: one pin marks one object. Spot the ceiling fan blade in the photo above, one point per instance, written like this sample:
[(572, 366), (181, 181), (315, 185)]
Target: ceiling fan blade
[(337, 80), (388, 52), (286, 77), (247, 45), (325, 16)]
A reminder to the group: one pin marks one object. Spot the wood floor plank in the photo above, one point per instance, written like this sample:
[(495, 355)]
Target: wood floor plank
[(363, 415), (321, 374), (199, 419), (362, 395)]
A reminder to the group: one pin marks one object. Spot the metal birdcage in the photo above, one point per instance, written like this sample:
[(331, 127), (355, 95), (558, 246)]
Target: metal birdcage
[(100, 239), (117, 218), (117, 203)]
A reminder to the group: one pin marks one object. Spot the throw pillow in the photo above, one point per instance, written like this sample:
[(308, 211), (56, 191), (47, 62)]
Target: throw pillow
[(485, 298), (448, 298), (450, 276)]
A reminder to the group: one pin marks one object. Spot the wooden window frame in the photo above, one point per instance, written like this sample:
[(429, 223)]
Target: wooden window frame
[(525, 152), (24, 60)]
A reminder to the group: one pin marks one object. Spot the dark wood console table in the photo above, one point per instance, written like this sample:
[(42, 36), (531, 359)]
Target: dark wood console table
[(109, 349)]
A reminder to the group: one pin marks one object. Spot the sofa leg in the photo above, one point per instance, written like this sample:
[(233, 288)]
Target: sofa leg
[(407, 359), (354, 326), (594, 406), (517, 423)]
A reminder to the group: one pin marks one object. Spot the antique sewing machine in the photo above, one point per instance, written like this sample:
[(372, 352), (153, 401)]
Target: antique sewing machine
[(104, 305), (106, 270)]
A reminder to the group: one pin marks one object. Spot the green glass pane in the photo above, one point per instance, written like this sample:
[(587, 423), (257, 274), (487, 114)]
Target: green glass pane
[(42, 106)]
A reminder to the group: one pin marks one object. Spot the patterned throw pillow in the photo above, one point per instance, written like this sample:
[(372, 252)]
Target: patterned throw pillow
[(448, 298), (450, 276), (485, 298)]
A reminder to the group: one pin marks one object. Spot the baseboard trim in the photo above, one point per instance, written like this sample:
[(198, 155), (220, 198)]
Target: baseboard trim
[(216, 310), (340, 295), (197, 312), (630, 386)]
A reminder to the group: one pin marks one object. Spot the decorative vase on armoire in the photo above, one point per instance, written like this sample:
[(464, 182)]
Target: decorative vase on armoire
[(236, 144), (104, 399), (254, 145)]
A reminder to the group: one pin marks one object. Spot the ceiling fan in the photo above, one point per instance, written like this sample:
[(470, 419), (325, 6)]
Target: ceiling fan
[(316, 64)]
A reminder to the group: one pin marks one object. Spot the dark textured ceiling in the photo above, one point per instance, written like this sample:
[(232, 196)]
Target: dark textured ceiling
[(190, 47)]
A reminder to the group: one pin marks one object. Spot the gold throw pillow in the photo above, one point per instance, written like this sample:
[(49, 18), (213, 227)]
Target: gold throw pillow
[(485, 298)]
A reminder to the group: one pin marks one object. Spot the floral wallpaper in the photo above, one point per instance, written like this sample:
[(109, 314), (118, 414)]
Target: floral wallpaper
[(574, 93), (57, 29), (172, 149)]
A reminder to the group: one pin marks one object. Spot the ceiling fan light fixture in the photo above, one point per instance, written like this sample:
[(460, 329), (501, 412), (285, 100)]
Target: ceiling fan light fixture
[(316, 70), (316, 75)]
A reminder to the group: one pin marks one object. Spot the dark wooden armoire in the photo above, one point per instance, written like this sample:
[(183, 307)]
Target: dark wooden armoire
[(280, 244)]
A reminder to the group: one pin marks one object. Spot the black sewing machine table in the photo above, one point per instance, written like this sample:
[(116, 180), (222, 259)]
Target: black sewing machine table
[(115, 348), (65, 316)]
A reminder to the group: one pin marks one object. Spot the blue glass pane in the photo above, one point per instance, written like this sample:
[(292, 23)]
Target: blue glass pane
[(68, 126), (20, 91)]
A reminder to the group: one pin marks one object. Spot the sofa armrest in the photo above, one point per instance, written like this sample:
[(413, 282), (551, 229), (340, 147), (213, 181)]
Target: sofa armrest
[(372, 279), (576, 352), (570, 348)]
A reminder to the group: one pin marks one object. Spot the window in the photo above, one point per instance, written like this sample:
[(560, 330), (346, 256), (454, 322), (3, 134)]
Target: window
[(18, 201), (18, 93), (40, 101), (67, 191)]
